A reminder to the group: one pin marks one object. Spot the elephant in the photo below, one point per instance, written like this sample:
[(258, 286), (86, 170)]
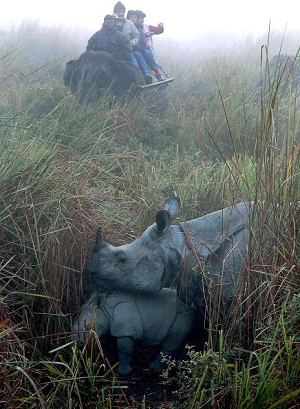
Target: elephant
[(95, 73), (167, 255), (146, 319)]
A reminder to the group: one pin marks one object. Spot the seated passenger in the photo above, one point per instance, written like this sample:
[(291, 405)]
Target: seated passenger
[(109, 39), (144, 47), (127, 28), (151, 30), (137, 57)]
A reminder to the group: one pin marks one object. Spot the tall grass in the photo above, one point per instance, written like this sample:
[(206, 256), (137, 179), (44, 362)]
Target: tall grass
[(66, 168)]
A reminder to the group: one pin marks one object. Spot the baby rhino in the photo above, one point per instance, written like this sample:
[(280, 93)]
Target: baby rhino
[(147, 319)]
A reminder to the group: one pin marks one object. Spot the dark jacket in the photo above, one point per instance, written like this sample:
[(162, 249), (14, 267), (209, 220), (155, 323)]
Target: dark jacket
[(143, 43), (111, 41)]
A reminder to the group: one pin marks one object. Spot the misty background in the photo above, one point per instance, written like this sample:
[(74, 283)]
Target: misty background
[(37, 34), (210, 24)]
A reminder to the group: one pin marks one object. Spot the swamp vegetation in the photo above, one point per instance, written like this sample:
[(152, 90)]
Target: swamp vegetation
[(66, 168)]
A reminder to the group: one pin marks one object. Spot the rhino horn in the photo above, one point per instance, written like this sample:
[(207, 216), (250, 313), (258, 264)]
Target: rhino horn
[(99, 241)]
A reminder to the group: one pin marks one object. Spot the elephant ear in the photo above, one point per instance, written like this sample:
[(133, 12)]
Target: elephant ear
[(69, 70), (71, 76), (130, 74)]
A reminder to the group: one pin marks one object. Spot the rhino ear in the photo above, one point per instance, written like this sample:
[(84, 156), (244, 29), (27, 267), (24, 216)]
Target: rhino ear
[(172, 205), (101, 299), (163, 220)]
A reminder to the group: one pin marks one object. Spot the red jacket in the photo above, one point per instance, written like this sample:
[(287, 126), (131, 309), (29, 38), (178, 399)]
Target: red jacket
[(150, 30)]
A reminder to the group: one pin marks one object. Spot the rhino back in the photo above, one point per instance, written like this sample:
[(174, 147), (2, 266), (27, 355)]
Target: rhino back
[(211, 230), (220, 239)]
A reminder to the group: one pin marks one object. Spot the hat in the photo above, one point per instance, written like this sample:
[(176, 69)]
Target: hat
[(140, 14), (119, 6), (130, 13), (109, 17)]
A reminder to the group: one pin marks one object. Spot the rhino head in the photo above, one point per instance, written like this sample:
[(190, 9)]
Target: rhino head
[(166, 255), (92, 319), (146, 265)]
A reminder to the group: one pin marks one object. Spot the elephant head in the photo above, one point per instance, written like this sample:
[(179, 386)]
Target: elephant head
[(96, 73)]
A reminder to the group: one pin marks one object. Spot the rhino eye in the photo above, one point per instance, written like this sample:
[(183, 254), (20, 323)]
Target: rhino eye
[(121, 259)]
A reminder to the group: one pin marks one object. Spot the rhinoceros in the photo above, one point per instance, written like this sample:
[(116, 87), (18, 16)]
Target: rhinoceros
[(148, 319), (167, 255)]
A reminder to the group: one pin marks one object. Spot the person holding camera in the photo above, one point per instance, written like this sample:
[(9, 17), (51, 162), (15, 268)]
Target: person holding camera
[(144, 46)]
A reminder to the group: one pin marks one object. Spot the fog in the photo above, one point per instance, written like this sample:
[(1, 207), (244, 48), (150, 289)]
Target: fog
[(187, 20)]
